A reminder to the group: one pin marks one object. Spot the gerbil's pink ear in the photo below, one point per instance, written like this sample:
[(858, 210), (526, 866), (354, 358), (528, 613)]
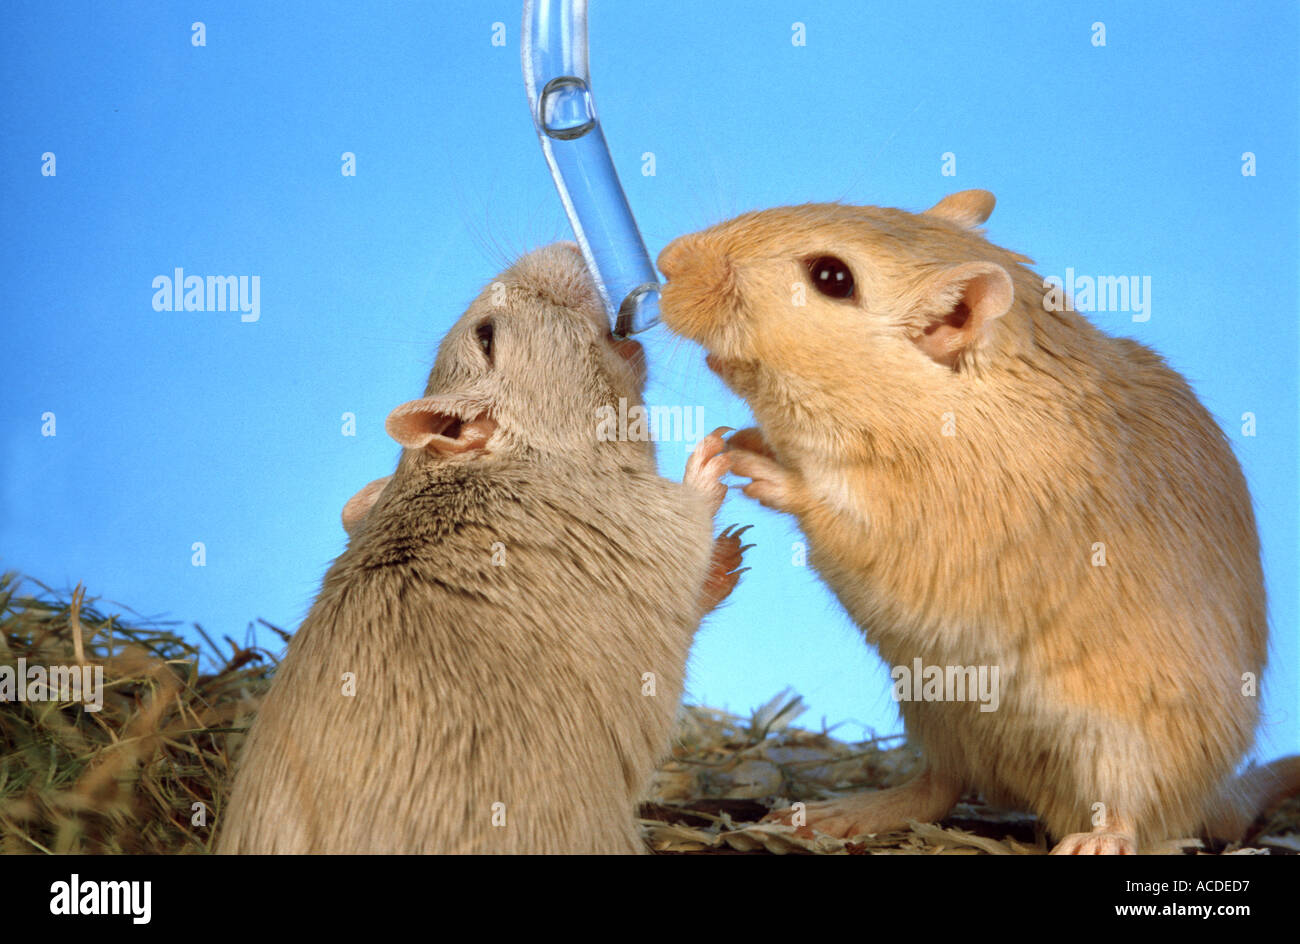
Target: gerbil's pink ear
[(359, 505), (963, 301), (430, 424), (967, 208)]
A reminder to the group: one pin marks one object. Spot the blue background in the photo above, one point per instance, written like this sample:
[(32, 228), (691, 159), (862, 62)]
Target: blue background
[(176, 427)]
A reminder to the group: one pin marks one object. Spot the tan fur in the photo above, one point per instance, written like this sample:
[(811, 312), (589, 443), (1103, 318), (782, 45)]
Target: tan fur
[(1121, 684), (478, 682)]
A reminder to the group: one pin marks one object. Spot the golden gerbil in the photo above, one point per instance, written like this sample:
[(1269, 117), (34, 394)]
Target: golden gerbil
[(984, 481)]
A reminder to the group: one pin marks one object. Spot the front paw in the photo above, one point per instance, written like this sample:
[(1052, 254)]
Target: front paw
[(772, 484), (750, 439), (707, 464), (724, 568)]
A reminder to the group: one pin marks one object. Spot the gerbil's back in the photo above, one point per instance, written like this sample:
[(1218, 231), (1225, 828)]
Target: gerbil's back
[(497, 628), (1185, 459), (1118, 450)]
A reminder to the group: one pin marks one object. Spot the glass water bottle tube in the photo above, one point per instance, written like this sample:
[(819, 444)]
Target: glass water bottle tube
[(558, 83)]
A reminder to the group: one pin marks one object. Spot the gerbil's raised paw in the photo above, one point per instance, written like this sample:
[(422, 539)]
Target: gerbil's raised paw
[(707, 464), (772, 485), (724, 568), (1096, 843), (750, 440), (728, 552)]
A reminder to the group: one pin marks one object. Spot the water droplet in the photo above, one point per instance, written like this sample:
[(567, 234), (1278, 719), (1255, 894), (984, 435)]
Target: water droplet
[(566, 108), (639, 311)]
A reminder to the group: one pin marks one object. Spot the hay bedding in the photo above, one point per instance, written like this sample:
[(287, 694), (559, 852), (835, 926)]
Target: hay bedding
[(149, 772), (125, 779), (727, 772)]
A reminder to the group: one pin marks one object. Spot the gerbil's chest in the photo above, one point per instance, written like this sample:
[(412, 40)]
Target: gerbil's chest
[(840, 491), (917, 577)]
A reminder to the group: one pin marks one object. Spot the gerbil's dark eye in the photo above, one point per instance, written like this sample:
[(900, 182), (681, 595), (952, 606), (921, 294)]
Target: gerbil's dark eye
[(831, 276), (484, 334)]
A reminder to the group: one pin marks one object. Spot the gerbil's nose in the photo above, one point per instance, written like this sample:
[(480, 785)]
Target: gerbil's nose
[(674, 256)]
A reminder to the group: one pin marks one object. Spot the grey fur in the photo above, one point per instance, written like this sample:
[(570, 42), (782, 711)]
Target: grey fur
[(477, 683)]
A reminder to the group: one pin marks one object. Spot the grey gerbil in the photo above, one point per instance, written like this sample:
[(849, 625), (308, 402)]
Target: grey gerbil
[(513, 612)]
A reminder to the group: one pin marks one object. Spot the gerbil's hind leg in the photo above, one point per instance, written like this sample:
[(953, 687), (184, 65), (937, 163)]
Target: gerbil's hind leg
[(927, 798), (1115, 838)]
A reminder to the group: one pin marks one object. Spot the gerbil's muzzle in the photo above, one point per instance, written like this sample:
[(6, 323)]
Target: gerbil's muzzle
[(700, 290), (673, 260)]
